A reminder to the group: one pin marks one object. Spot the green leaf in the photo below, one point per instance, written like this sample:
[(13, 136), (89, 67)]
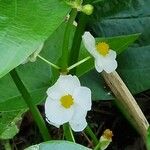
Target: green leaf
[(56, 145), (9, 123), (37, 76), (148, 139), (24, 26), (118, 17)]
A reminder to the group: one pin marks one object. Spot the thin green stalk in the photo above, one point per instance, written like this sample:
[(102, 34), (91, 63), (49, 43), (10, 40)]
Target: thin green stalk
[(66, 39), (74, 54), (34, 110), (64, 63), (98, 146), (7, 145), (89, 132), (78, 63), (48, 62), (68, 132)]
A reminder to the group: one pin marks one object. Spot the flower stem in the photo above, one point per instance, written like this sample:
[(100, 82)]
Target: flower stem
[(6, 144), (78, 63), (64, 64), (68, 132), (92, 135), (74, 54), (98, 146), (34, 110), (66, 39), (48, 62)]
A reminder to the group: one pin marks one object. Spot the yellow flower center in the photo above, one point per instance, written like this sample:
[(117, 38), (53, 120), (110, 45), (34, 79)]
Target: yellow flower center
[(67, 101), (102, 48)]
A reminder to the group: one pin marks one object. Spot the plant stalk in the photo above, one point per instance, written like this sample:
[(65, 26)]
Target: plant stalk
[(78, 63), (127, 103), (74, 54), (66, 39), (98, 147), (34, 110), (64, 64), (49, 63), (89, 132), (68, 132), (75, 49), (6, 144)]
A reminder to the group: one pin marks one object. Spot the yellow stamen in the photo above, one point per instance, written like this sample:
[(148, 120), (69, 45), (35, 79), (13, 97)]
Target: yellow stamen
[(108, 134), (66, 101), (102, 48)]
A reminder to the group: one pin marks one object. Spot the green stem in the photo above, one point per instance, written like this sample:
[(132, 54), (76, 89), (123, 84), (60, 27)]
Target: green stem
[(64, 63), (34, 110), (89, 132), (66, 39), (78, 63), (48, 62), (68, 132), (74, 54), (7, 145), (98, 146)]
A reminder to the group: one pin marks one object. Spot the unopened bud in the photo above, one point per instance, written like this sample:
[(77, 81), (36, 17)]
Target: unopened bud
[(87, 9), (106, 139)]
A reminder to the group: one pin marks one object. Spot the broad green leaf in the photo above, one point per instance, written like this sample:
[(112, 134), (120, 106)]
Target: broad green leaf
[(119, 17), (24, 26), (37, 76), (58, 145), (148, 139), (9, 123)]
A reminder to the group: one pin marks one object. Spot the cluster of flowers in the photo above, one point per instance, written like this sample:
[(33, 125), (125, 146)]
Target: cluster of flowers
[(67, 101)]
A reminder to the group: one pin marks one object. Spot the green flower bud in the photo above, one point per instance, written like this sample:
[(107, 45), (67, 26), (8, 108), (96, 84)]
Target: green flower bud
[(87, 9)]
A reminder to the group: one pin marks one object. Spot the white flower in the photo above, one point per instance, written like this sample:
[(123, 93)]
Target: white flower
[(105, 58), (68, 101)]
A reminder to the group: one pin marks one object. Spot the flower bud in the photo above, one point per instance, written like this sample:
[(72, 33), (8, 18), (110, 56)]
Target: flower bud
[(87, 9), (106, 139)]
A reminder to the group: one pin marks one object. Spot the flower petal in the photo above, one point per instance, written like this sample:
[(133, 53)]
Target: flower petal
[(55, 92), (107, 63), (82, 97), (78, 121), (54, 124), (78, 127), (64, 85), (56, 114), (89, 43), (68, 83), (98, 65), (110, 65), (112, 54)]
